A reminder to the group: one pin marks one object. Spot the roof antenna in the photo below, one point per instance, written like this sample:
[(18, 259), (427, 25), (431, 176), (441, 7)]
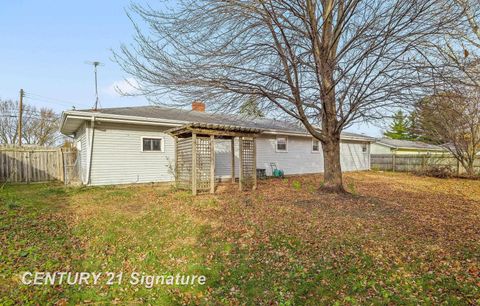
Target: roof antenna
[(95, 65)]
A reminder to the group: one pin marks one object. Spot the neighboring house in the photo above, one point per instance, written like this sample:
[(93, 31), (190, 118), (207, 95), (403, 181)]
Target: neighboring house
[(130, 144), (397, 146)]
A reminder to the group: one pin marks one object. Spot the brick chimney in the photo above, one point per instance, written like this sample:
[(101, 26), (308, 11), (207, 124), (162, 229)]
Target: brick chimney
[(198, 106)]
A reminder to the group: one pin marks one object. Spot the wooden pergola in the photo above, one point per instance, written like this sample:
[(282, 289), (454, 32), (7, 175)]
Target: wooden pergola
[(195, 155)]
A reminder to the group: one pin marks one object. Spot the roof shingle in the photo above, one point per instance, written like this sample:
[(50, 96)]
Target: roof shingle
[(408, 144), (189, 116)]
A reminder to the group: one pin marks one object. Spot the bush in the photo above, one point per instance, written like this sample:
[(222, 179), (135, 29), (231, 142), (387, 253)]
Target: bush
[(297, 185), (439, 171)]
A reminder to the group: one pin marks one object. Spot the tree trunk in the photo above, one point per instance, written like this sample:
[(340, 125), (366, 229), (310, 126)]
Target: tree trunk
[(469, 168), (332, 168)]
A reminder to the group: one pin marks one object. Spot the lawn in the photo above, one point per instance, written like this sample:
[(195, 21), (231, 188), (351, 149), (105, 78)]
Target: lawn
[(397, 239)]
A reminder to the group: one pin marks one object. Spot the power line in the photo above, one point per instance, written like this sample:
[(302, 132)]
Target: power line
[(29, 117), (50, 102), (34, 96), (26, 110)]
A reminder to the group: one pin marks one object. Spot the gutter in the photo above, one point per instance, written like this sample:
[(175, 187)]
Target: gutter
[(276, 132), (118, 119), (420, 149), (408, 148)]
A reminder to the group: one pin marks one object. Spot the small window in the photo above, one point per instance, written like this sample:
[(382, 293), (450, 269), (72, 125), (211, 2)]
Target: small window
[(315, 145), (152, 144), (364, 148), (282, 144)]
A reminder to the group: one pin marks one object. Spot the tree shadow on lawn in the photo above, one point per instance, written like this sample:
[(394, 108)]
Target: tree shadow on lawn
[(279, 244), (293, 245), (34, 237), (50, 228)]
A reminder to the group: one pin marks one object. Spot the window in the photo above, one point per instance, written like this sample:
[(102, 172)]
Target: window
[(315, 145), (364, 148), (282, 143), (152, 144)]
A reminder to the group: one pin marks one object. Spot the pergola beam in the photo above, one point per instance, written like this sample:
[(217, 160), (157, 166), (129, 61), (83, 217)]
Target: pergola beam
[(220, 133), (210, 132)]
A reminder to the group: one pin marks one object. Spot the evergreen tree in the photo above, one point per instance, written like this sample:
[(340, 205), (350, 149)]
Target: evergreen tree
[(250, 108), (413, 129), (417, 128), (399, 128)]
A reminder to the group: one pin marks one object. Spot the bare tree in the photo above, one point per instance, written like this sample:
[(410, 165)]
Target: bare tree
[(326, 63), (454, 121), (451, 61), (449, 114), (40, 127), (8, 122)]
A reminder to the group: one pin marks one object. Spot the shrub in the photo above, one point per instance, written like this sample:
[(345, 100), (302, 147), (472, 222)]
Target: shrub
[(351, 188), (296, 185), (439, 171)]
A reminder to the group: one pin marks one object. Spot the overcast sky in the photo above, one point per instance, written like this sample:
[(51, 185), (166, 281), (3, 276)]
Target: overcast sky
[(45, 44)]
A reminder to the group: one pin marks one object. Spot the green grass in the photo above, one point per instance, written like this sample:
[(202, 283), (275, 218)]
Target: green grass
[(259, 248), (40, 235)]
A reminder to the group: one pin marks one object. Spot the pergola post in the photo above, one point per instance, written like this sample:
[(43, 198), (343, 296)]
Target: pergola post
[(212, 164), (176, 170), (194, 164), (254, 163), (199, 179), (240, 172), (233, 160)]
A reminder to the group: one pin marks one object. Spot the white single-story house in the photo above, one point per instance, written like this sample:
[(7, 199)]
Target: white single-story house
[(130, 145), (403, 147)]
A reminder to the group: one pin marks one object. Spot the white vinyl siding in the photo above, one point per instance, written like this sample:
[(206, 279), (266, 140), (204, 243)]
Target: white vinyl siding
[(352, 157), (380, 149), (118, 158), (298, 160), (223, 158), (82, 151)]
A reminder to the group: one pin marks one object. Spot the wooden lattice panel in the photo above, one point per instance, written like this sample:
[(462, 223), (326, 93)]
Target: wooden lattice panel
[(203, 163), (184, 163), (248, 161)]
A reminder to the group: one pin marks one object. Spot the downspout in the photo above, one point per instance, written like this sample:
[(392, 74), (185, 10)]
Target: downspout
[(91, 151), (394, 159)]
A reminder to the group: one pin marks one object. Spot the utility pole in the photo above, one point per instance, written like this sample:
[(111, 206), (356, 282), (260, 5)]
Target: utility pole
[(20, 115)]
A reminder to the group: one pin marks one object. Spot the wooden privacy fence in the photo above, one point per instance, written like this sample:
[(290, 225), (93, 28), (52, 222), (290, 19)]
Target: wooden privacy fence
[(416, 162), (25, 165)]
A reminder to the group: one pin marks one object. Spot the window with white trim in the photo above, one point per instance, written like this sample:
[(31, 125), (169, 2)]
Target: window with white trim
[(315, 145), (152, 144), (364, 148), (282, 143)]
